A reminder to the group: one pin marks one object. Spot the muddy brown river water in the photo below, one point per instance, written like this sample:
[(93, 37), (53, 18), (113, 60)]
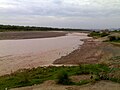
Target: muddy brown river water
[(28, 53)]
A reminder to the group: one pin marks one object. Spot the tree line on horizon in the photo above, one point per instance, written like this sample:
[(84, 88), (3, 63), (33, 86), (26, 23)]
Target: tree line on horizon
[(34, 28)]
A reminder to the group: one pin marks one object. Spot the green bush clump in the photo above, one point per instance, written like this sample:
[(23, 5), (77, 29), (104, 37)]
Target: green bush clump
[(63, 78), (114, 38), (98, 34)]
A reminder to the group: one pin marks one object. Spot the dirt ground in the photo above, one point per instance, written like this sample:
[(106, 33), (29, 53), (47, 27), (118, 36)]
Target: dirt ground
[(50, 85), (88, 53), (78, 78), (91, 52), (29, 35)]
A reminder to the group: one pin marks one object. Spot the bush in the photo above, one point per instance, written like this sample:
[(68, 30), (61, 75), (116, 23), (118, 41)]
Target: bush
[(25, 79), (104, 34), (114, 38), (98, 34), (63, 78)]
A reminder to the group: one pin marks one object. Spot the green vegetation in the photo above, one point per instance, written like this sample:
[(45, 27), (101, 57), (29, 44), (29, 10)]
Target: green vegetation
[(63, 78), (111, 36), (98, 34), (116, 31), (28, 77), (4, 28), (114, 38)]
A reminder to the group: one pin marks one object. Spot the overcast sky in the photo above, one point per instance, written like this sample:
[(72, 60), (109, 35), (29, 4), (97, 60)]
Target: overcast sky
[(61, 13)]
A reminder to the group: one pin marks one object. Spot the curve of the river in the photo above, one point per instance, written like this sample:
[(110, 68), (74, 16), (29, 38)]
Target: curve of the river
[(28, 53)]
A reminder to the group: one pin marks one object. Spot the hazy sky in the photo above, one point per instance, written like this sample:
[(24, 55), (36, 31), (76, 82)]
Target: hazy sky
[(61, 13)]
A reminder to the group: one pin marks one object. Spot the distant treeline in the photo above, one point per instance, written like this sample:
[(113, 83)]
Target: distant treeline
[(116, 30), (33, 28)]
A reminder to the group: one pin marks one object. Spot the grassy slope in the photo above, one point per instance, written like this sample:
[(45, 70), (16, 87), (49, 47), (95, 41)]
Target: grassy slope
[(39, 75)]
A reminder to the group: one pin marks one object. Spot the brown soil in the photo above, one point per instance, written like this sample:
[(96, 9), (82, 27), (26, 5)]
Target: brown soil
[(50, 85), (88, 53), (78, 78), (91, 52), (29, 35)]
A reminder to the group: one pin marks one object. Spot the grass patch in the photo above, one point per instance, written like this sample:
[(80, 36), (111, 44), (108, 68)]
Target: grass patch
[(28, 77)]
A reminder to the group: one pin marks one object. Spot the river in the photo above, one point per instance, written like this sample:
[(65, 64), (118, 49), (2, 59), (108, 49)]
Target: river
[(28, 53)]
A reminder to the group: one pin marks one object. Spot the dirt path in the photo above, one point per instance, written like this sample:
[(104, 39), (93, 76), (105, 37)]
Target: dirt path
[(50, 85)]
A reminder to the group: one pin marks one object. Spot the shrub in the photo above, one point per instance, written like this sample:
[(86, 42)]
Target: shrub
[(98, 34), (114, 38), (104, 34), (63, 78), (25, 78)]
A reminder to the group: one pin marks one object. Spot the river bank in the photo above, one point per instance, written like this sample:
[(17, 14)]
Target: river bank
[(87, 53), (30, 34), (93, 51)]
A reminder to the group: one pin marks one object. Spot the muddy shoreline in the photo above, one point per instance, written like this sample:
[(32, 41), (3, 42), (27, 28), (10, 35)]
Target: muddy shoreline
[(29, 35), (91, 52), (88, 53)]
